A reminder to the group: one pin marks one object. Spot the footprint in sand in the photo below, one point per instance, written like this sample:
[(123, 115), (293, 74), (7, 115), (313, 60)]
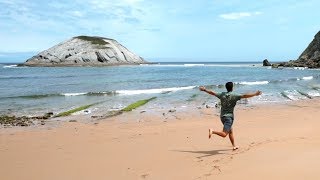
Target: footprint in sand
[(217, 168), (144, 176)]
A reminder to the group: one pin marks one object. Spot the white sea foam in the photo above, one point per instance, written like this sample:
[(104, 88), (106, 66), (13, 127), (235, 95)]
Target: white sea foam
[(73, 94), (254, 82), (307, 78), (153, 91), (294, 95), (206, 65), (190, 65), (164, 65), (10, 66), (314, 93), (300, 68)]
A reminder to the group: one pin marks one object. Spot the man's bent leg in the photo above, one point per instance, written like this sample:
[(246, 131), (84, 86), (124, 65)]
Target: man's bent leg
[(220, 133)]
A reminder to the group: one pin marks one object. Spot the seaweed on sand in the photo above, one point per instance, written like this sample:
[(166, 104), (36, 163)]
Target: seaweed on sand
[(67, 113), (126, 109), (137, 104)]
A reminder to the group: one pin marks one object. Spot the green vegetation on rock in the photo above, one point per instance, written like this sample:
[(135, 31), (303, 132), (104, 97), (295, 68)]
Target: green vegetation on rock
[(137, 104), (67, 113), (93, 40), (126, 109)]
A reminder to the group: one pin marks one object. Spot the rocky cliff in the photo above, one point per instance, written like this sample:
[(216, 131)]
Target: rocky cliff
[(86, 51), (309, 58)]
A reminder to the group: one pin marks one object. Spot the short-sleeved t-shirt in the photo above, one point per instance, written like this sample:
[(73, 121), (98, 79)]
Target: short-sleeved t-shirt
[(228, 102)]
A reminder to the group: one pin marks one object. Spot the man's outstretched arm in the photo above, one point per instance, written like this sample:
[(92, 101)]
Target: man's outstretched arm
[(249, 95), (202, 88)]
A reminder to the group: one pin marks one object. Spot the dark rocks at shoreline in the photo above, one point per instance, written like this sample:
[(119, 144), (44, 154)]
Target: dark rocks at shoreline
[(7, 120), (86, 51), (15, 121), (310, 57), (266, 63)]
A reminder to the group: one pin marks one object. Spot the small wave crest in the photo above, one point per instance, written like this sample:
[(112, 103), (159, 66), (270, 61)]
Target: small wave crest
[(307, 78), (11, 66), (253, 82), (153, 91), (314, 93), (73, 94), (107, 93), (300, 68), (201, 64), (296, 95), (39, 96), (35, 96), (191, 65)]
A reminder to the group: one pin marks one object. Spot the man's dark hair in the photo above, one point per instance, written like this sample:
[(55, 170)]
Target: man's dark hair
[(229, 86)]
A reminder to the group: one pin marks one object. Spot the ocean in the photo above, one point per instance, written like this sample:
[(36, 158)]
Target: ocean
[(36, 90)]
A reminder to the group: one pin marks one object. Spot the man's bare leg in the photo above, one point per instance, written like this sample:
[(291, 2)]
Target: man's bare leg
[(224, 134), (231, 137), (219, 133)]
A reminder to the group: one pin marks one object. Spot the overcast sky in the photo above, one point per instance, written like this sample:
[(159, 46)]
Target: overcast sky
[(197, 30)]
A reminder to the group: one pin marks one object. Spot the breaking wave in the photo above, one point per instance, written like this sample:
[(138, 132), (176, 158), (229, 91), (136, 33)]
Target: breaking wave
[(254, 83), (107, 93), (153, 91)]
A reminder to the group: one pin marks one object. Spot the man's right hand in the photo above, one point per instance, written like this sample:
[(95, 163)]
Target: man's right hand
[(258, 93)]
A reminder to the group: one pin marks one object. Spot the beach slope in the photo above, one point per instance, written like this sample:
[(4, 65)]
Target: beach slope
[(276, 142)]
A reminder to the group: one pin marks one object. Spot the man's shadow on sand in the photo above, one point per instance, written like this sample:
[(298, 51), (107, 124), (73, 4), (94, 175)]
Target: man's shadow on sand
[(206, 153)]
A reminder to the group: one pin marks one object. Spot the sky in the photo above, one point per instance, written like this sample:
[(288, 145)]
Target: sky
[(164, 30)]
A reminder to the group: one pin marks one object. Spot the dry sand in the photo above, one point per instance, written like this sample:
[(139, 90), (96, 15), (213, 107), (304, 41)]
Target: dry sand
[(276, 142)]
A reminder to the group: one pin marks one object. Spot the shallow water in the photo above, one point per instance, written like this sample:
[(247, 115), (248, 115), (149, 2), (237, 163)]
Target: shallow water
[(36, 90)]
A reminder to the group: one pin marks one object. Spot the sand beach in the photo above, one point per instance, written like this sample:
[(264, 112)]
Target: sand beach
[(277, 141)]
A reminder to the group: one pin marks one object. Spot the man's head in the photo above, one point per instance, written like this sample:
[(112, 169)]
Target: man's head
[(229, 86)]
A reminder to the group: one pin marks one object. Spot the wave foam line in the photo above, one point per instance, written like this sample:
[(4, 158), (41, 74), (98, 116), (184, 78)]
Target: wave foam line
[(307, 78), (38, 96), (205, 65), (73, 94), (109, 93), (153, 91), (294, 95), (314, 93), (254, 82), (190, 65), (10, 66)]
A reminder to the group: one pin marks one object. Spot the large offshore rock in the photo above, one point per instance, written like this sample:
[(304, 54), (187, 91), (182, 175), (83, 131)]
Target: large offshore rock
[(86, 51)]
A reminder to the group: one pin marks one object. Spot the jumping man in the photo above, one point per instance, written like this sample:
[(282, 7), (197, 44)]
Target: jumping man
[(228, 102)]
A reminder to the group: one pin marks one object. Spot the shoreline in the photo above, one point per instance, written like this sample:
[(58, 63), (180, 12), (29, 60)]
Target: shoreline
[(162, 113)]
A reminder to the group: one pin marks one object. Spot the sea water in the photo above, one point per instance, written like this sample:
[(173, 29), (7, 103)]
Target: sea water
[(37, 90)]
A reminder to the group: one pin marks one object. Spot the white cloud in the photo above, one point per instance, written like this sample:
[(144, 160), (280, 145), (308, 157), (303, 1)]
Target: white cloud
[(238, 15), (132, 1), (77, 13), (118, 8)]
